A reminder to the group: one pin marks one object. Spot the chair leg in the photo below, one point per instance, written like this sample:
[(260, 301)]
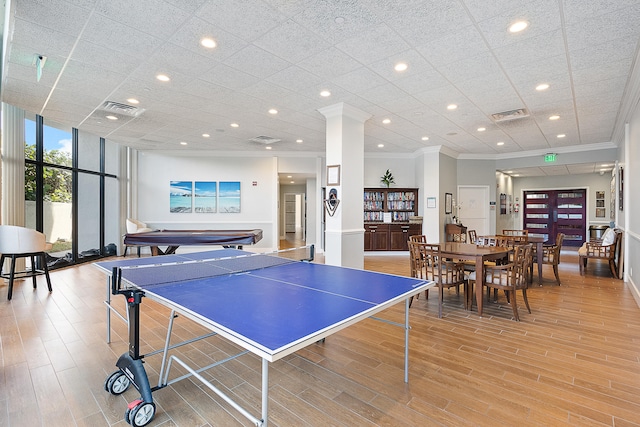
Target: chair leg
[(582, 263), (555, 271), (33, 272), (12, 273), (612, 266), (514, 305), (526, 301), (43, 258), (440, 298)]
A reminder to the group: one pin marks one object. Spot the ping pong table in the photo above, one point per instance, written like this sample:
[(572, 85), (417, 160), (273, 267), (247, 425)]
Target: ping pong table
[(293, 304), (173, 239)]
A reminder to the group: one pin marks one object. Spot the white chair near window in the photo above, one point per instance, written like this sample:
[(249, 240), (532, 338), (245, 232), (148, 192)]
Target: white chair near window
[(20, 242), (135, 226)]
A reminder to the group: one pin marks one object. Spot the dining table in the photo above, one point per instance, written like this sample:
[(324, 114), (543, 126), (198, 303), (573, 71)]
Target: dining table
[(477, 253)]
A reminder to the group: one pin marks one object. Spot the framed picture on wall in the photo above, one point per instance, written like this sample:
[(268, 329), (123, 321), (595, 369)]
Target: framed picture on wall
[(180, 196), (205, 200), (333, 175), (448, 203), (600, 212), (229, 197)]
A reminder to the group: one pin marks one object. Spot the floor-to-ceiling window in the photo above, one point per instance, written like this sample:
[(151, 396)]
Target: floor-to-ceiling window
[(67, 180)]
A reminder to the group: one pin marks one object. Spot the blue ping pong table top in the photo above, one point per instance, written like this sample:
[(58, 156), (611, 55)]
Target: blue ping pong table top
[(273, 309), (173, 258)]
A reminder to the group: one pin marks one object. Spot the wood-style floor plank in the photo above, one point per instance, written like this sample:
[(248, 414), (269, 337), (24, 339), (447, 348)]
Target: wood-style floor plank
[(574, 361)]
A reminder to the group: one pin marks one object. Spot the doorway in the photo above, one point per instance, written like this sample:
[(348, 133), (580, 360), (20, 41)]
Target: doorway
[(549, 212), (294, 220)]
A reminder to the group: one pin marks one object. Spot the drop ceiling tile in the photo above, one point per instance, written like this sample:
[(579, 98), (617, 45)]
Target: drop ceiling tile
[(106, 32), (158, 19), (292, 41), (188, 36), (425, 22), (453, 46), (373, 45), (246, 19), (542, 15), (257, 62), (605, 28)]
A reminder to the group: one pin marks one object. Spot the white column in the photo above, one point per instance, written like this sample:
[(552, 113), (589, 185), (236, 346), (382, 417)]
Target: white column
[(344, 245)]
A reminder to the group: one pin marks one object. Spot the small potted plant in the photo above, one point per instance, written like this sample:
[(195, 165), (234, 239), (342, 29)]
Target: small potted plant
[(387, 178)]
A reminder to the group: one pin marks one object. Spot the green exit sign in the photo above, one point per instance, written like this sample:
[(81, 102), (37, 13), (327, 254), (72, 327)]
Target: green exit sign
[(550, 158)]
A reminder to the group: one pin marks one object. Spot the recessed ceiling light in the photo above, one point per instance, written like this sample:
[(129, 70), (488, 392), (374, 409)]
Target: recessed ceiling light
[(380, 145), (452, 107), (401, 66), (425, 138), (205, 135), (111, 117), (562, 135), (386, 121), (268, 148), (273, 111), (289, 176), (163, 77), (500, 143), (292, 182), (481, 129), (517, 174), (133, 101), (235, 125), (509, 172), (339, 20), (554, 117), (208, 42), (518, 26), (183, 143), (542, 86), (325, 93), (299, 141)]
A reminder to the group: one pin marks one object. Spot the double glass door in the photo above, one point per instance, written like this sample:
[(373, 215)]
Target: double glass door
[(549, 212)]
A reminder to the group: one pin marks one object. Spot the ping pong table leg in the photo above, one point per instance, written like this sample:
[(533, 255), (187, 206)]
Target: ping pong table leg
[(265, 392), (406, 340)]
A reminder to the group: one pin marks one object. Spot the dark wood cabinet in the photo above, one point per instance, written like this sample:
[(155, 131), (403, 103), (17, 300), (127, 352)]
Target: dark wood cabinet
[(398, 205), (389, 237)]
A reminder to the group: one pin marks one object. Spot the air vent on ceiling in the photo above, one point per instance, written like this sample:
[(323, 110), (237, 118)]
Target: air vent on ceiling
[(264, 139), (124, 109), (510, 115)]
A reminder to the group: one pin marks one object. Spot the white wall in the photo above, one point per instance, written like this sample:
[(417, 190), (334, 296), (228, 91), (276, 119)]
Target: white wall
[(402, 168), (258, 207)]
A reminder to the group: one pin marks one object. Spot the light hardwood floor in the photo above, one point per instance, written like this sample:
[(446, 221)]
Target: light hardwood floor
[(574, 361)]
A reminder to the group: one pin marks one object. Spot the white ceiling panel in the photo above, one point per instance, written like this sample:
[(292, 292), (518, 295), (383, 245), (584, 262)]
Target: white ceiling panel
[(281, 54)]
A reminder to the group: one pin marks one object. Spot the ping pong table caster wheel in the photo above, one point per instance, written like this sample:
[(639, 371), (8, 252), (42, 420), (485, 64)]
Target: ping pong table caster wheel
[(117, 383), (140, 413)]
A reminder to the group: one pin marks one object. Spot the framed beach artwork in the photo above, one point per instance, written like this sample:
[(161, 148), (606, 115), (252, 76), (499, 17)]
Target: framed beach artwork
[(229, 197), (180, 196), (205, 200)]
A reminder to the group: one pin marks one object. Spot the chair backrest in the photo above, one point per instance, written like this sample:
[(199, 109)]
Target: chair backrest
[(135, 226), (473, 236), (420, 238), (21, 240), (522, 263)]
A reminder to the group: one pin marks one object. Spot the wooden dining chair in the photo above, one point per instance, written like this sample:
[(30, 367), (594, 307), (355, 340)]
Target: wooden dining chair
[(472, 237), (510, 277), (432, 266), (508, 232), (551, 256)]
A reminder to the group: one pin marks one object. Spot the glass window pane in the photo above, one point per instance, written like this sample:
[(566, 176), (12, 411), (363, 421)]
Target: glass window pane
[(112, 233), (57, 213), (88, 216), (30, 196), (57, 144), (112, 157), (29, 139), (88, 151)]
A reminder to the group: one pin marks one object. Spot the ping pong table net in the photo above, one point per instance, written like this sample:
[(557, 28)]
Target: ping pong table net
[(148, 276)]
